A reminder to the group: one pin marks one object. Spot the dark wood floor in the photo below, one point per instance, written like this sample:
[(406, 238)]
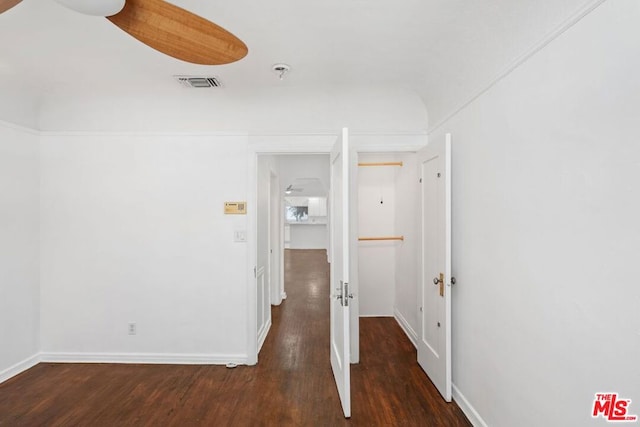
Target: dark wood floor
[(291, 385)]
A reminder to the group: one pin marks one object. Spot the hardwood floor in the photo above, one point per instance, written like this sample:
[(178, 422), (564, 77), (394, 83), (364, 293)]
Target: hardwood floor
[(292, 384)]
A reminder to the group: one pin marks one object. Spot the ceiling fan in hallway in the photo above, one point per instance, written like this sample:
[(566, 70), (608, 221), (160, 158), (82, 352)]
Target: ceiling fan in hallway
[(291, 189), (164, 27)]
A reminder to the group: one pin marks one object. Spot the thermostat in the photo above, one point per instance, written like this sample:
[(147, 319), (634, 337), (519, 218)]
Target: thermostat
[(235, 208)]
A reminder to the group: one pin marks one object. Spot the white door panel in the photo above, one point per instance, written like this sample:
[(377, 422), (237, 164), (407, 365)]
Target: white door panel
[(434, 341), (339, 250)]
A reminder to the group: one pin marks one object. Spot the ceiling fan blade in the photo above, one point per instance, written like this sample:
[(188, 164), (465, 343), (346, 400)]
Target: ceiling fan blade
[(7, 4), (179, 33)]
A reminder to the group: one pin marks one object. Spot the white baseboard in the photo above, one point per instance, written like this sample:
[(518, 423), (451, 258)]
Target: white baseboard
[(19, 367), (471, 413), (132, 358), (406, 327), (144, 358), (262, 334)]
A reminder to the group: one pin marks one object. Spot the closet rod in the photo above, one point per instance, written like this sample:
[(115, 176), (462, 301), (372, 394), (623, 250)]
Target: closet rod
[(381, 164), (381, 238)]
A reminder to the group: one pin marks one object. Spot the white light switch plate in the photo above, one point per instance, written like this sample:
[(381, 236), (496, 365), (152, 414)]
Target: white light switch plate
[(240, 236)]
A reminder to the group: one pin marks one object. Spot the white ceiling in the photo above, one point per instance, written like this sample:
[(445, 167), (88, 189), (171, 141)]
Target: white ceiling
[(444, 50)]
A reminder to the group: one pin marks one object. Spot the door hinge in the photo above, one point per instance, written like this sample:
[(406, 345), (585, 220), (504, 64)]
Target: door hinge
[(255, 272)]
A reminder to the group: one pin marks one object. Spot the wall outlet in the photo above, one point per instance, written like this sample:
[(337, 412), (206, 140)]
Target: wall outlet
[(132, 329)]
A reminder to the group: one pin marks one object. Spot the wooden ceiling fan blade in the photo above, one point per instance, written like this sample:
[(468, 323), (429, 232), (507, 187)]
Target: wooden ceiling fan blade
[(179, 33), (7, 4)]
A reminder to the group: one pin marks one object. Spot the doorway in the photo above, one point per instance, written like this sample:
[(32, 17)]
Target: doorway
[(291, 215), (404, 295)]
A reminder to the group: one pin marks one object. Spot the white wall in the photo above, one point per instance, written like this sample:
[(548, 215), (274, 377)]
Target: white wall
[(18, 104), (261, 111), (120, 212), (546, 234), (19, 249), (133, 230), (308, 236)]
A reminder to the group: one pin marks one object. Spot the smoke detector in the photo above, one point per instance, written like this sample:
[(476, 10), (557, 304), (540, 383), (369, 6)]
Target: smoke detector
[(281, 70), (198, 82)]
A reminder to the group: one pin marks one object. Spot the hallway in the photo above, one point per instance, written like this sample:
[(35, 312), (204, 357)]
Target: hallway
[(292, 384)]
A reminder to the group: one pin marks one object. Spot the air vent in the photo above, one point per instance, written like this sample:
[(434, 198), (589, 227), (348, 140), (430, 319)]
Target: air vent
[(198, 82)]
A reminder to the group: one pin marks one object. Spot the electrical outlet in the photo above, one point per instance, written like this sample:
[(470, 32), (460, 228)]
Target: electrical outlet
[(132, 328)]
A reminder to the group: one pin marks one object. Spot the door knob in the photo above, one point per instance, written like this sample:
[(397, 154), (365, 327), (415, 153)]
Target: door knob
[(436, 281)]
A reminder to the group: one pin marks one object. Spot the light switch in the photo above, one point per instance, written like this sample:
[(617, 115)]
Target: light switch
[(240, 236)]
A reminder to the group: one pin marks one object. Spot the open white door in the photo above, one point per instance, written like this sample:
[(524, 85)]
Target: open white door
[(434, 341), (339, 250)]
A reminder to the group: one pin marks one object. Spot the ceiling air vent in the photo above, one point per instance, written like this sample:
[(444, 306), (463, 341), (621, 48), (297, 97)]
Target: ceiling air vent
[(198, 82)]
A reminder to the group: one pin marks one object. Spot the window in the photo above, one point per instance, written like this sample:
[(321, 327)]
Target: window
[(297, 213), (305, 210)]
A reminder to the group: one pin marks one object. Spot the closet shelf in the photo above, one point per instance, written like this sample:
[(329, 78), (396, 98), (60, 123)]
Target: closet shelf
[(381, 238)]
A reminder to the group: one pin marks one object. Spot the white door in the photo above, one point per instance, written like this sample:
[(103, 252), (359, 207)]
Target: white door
[(274, 241), (339, 250), (434, 341)]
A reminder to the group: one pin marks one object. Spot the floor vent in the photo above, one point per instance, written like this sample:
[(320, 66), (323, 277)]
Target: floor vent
[(198, 82)]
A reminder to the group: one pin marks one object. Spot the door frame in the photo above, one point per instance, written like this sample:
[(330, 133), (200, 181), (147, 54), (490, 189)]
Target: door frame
[(311, 143), (276, 281), (254, 150)]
